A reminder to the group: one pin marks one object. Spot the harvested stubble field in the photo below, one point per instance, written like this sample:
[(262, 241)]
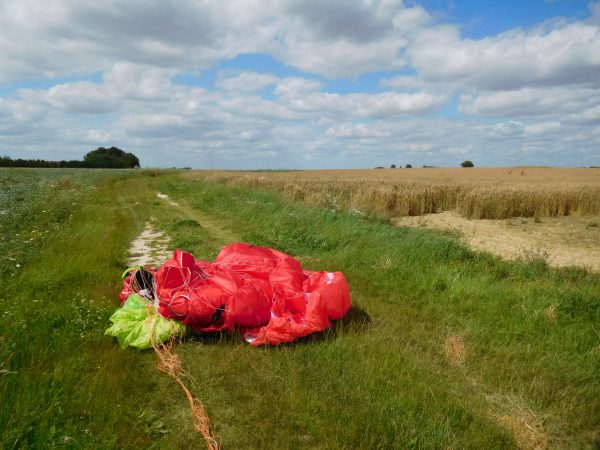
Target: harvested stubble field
[(443, 348), (478, 193)]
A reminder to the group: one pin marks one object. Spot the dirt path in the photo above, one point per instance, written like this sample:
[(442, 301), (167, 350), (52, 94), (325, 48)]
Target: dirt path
[(215, 227), (150, 248), (562, 241)]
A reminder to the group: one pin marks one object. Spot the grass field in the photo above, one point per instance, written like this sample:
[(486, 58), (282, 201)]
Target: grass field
[(479, 193), (443, 348)]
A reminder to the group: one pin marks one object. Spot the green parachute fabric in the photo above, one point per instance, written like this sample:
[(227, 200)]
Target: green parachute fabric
[(138, 324)]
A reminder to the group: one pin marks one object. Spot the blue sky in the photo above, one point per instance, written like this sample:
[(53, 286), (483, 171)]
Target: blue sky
[(479, 19), (250, 84)]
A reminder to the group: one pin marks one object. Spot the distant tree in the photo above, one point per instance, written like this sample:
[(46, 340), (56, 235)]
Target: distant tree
[(393, 166), (111, 158), (100, 158), (379, 167), (408, 166), (467, 163)]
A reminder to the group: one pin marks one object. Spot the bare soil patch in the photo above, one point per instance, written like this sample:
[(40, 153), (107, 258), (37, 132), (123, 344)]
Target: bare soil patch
[(150, 248), (167, 199), (561, 241)]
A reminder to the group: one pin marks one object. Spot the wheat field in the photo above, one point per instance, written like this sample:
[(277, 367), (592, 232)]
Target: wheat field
[(480, 193)]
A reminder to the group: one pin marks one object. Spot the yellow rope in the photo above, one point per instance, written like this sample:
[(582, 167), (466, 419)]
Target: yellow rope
[(170, 364)]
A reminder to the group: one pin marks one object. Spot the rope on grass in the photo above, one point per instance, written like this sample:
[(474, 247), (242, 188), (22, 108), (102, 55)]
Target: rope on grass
[(170, 364)]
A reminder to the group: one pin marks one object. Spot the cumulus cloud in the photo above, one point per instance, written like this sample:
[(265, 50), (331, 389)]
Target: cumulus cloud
[(554, 54), (403, 82), (360, 21), (247, 82), (81, 97), (541, 128), (531, 102), (387, 104), (295, 86), (331, 38), (532, 95)]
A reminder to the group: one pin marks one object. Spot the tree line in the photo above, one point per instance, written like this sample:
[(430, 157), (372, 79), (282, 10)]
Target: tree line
[(101, 158), (409, 166)]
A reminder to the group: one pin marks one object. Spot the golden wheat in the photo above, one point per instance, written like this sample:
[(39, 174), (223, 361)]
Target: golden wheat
[(475, 193)]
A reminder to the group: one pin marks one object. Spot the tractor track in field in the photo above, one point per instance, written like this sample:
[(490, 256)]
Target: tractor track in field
[(151, 247), (215, 227)]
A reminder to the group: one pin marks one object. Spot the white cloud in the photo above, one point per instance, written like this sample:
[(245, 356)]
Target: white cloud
[(352, 130), (247, 82), (538, 88), (135, 81), (295, 86), (541, 128), (590, 115), (345, 39), (386, 104), (338, 38), (531, 102), (81, 97), (403, 82), (554, 54)]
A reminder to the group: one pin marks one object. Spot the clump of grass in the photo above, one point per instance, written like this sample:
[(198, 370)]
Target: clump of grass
[(455, 349), (187, 223)]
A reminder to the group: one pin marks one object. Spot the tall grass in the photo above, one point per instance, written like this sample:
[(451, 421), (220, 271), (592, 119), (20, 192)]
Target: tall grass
[(473, 193), (384, 377), (63, 247)]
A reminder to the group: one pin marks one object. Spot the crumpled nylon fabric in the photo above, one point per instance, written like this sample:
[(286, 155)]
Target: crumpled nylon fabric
[(262, 291), (138, 325)]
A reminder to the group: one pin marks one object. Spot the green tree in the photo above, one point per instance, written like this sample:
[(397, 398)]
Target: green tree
[(467, 163), (111, 158)]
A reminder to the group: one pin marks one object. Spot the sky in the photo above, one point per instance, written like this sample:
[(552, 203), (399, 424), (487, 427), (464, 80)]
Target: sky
[(303, 84)]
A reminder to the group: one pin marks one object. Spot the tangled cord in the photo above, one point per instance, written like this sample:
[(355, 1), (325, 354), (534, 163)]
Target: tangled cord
[(170, 364)]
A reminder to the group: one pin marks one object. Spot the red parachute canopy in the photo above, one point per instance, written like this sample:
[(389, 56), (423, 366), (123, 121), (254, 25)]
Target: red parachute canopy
[(260, 290)]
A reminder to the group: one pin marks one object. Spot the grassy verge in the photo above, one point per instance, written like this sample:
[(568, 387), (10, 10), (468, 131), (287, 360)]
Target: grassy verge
[(444, 348), (64, 384)]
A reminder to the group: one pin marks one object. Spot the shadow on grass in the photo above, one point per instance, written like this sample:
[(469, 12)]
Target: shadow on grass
[(356, 320)]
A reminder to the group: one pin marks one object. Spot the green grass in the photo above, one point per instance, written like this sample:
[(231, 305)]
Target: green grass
[(381, 377), (378, 379), (64, 383)]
